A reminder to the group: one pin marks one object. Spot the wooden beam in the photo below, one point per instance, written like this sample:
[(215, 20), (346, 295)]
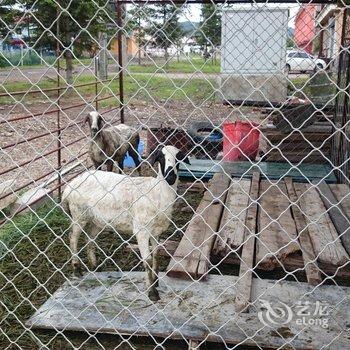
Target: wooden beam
[(312, 270), (247, 259), (6, 189), (192, 256), (323, 234), (231, 233), (61, 173), (337, 213), (276, 227), (291, 263)]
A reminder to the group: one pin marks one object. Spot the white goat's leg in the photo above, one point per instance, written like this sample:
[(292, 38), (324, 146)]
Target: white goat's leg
[(155, 260), (143, 241), (73, 241), (91, 246)]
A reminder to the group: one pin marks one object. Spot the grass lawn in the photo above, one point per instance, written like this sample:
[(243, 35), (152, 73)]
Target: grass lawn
[(189, 65), (137, 86), (147, 87), (34, 262)]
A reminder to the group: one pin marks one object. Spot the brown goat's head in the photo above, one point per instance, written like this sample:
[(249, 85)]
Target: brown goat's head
[(95, 121)]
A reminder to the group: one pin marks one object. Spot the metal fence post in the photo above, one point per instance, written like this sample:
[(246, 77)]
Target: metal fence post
[(120, 60), (59, 133)]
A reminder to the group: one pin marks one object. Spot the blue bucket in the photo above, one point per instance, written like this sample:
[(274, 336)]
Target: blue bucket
[(128, 161)]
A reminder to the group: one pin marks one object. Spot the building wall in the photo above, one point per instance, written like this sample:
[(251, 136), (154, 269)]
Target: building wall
[(131, 47), (305, 27), (331, 26)]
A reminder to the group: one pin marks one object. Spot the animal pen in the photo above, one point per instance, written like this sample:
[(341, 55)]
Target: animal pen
[(256, 253)]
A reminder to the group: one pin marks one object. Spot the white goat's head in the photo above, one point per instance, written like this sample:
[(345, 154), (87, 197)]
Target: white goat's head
[(169, 158), (95, 121)]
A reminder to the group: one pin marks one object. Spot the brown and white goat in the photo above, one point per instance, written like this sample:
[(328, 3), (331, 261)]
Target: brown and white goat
[(109, 145)]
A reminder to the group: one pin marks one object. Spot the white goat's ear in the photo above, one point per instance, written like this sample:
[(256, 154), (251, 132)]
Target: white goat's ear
[(182, 158)]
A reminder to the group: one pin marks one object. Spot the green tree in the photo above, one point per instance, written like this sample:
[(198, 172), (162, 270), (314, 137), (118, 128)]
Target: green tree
[(8, 16), (75, 25), (166, 30), (209, 36)]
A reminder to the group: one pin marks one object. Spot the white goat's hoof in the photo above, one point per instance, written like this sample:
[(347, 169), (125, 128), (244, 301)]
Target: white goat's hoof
[(154, 295), (77, 271)]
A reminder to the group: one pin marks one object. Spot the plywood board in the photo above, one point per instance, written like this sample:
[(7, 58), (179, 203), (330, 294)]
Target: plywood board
[(114, 302), (232, 226), (324, 236), (276, 227)]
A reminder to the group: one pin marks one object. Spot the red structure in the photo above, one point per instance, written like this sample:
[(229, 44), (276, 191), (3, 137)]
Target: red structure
[(304, 32)]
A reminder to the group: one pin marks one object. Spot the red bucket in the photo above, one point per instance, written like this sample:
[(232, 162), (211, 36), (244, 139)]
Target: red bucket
[(241, 141)]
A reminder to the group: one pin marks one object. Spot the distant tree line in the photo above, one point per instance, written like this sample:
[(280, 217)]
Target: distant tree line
[(161, 24), (74, 26)]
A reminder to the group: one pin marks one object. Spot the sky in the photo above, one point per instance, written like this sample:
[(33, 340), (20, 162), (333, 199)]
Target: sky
[(193, 12)]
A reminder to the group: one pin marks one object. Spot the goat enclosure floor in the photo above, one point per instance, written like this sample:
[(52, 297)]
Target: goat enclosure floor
[(138, 114)]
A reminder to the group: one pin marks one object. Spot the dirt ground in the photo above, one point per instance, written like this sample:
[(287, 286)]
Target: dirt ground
[(141, 114)]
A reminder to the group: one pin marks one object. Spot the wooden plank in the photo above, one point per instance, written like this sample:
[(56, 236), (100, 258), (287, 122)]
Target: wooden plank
[(113, 302), (244, 288), (296, 136), (277, 231), (341, 214), (323, 234), (287, 144), (192, 256), (6, 189), (61, 173), (231, 233), (312, 129), (305, 157), (312, 271)]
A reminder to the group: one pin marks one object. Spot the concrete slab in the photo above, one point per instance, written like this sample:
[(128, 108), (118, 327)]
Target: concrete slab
[(254, 87), (116, 302)]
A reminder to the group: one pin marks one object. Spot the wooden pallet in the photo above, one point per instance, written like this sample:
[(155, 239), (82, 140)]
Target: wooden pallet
[(268, 225), (298, 145)]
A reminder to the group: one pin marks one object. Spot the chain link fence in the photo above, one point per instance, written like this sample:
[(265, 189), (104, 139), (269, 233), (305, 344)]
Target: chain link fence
[(174, 174)]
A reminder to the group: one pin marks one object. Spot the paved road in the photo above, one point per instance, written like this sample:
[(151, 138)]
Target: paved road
[(35, 74)]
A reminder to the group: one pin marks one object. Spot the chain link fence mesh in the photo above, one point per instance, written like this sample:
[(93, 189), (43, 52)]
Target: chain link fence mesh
[(232, 232)]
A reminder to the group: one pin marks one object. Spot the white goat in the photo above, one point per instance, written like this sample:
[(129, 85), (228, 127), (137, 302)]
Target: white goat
[(110, 144), (140, 206)]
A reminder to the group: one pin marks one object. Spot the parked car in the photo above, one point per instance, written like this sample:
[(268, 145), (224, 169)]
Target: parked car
[(303, 62)]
